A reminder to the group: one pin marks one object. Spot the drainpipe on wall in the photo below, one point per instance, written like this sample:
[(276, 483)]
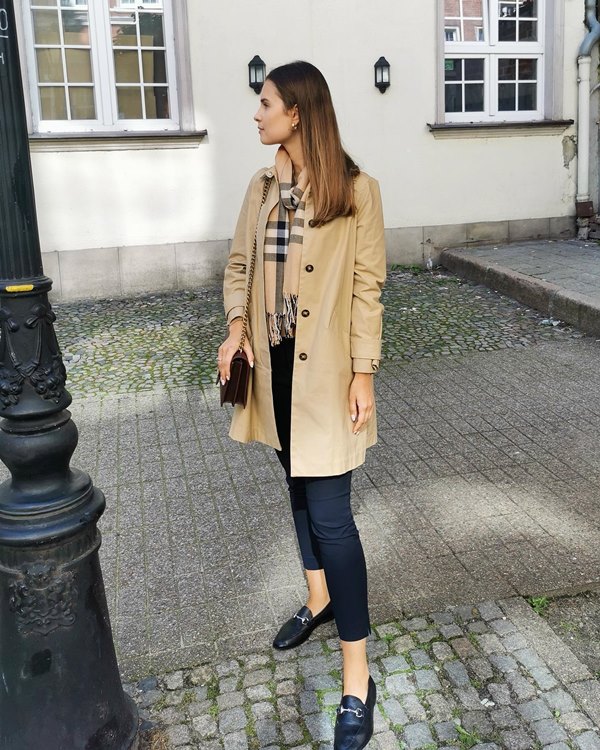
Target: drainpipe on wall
[(584, 204)]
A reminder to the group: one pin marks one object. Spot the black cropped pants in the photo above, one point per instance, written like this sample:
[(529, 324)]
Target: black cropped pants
[(327, 535)]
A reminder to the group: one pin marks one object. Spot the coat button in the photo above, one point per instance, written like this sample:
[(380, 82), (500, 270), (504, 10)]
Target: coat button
[(305, 313), (309, 269), (303, 356)]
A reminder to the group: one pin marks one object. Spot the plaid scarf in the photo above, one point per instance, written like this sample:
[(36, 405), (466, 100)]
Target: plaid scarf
[(283, 251)]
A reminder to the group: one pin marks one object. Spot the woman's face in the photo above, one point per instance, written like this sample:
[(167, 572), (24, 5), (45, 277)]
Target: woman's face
[(273, 120)]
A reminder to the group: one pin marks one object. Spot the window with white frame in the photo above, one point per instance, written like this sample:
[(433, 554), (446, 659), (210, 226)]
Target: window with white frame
[(101, 65), (493, 60)]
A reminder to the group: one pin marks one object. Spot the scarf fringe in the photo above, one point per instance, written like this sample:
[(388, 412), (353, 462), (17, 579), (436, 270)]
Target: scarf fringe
[(283, 325)]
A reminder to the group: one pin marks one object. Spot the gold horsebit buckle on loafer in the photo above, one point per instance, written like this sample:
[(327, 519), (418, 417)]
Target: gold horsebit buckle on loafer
[(358, 712)]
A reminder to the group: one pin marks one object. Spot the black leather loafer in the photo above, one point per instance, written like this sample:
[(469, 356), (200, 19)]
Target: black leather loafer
[(354, 721), (297, 629)]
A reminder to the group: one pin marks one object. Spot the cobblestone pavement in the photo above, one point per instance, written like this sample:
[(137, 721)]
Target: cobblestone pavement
[(486, 677), (483, 487)]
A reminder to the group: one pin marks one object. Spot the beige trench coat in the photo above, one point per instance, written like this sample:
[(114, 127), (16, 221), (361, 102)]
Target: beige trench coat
[(338, 331)]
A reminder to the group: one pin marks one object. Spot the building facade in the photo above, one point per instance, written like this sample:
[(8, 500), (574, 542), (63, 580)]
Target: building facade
[(143, 140)]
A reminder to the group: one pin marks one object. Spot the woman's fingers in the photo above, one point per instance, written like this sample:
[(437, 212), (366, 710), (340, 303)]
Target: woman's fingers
[(360, 413)]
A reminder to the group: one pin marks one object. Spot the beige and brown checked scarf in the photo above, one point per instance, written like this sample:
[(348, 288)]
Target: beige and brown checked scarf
[(283, 251)]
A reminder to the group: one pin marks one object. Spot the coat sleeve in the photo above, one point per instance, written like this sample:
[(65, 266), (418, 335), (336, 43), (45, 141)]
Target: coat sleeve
[(369, 275), (234, 282)]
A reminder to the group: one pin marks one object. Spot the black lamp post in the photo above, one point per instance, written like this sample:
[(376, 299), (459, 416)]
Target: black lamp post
[(257, 71), (60, 685), (382, 74)]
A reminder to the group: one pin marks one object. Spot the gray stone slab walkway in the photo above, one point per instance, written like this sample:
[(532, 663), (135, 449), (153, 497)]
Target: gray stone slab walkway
[(483, 488), (558, 277)]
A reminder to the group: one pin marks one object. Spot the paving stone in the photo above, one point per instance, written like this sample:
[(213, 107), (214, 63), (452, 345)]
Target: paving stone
[(285, 671), (426, 636), (477, 722), (502, 626), (557, 746), (227, 668), (262, 710), (251, 662), (258, 693), (228, 684), (395, 664), (514, 641), (201, 675), (377, 648), (588, 741), (292, 733), (403, 644), (575, 722), (469, 698), (517, 739), (230, 700), (395, 712), (446, 731), (232, 720), (543, 677), (504, 718), (549, 731), (450, 631), (319, 726), (440, 708), (528, 658), (399, 684), (457, 674), (466, 612), (331, 698), (309, 703), (490, 644), (560, 700), (417, 623), (206, 726), (503, 663), (463, 648), (201, 692), (174, 681), (266, 731), (427, 680), (387, 629), (442, 651), (523, 688), (420, 658), (385, 741), (235, 741), (257, 677), (500, 693), (490, 611), (481, 668), (179, 734), (442, 618), (417, 736), (414, 708), (322, 682), (286, 708), (287, 687), (534, 710)]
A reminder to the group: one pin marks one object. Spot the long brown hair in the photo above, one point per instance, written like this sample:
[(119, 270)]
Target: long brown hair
[(330, 169)]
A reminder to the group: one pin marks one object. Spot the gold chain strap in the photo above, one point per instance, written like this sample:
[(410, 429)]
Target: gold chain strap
[(252, 266)]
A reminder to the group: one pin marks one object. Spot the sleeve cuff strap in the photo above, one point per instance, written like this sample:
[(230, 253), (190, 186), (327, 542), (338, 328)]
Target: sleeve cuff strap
[(235, 312), (365, 365)]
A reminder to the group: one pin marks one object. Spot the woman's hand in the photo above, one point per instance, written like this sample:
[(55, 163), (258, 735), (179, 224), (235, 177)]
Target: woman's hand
[(230, 346), (361, 400)]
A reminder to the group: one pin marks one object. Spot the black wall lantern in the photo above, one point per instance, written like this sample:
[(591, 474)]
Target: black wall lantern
[(382, 74), (256, 73)]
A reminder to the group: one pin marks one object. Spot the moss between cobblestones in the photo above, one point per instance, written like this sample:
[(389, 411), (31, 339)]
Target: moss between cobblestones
[(170, 340)]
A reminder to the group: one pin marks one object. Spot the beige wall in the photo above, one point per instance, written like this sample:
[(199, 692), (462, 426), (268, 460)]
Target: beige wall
[(171, 197)]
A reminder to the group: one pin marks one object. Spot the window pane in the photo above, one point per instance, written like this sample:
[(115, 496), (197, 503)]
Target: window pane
[(454, 97), (53, 103), (507, 31), (73, 3), (157, 102), (154, 67), (50, 66), (508, 10), (528, 31), (130, 103), (453, 69), (474, 70), (507, 69), (76, 27), (527, 96), (528, 9), (45, 27), (124, 34), (44, 2), (79, 66), (527, 70), (474, 97), (507, 101), (127, 69), (452, 8), (82, 103), (151, 30)]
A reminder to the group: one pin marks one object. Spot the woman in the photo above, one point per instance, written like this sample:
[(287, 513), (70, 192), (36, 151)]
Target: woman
[(314, 343)]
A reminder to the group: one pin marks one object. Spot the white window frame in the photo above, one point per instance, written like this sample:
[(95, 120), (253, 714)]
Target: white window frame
[(104, 77), (492, 51)]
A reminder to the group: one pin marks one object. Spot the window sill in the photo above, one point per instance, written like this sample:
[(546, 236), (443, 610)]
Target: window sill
[(498, 129), (126, 141)]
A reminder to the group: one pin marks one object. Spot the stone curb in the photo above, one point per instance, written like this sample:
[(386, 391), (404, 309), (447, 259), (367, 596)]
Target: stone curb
[(549, 298)]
